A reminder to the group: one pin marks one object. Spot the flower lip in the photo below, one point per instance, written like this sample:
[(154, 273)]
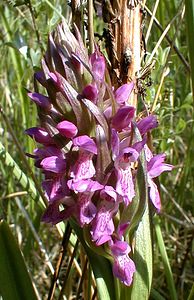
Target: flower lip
[(128, 155)]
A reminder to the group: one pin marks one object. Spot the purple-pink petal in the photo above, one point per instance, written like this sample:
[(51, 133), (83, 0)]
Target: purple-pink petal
[(48, 151), (84, 185), (54, 77), (102, 225), (40, 135), (90, 92), (98, 65), (83, 167), (108, 193), (120, 248), (156, 165), (40, 76), (147, 124), (124, 268), (121, 229), (54, 164), (123, 92), (67, 129), (148, 153), (154, 194), (86, 209), (125, 185), (138, 146), (40, 100), (53, 215), (86, 143), (126, 156), (55, 189), (123, 117)]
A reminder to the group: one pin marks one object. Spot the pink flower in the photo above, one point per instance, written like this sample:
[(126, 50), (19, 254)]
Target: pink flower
[(84, 185), (123, 92), (155, 167), (125, 185), (55, 188), (98, 65), (54, 164), (147, 124), (90, 92), (123, 266), (83, 167), (123, 117), (86, 143), (102, 227), (67, 129), (40, 135), (86, 210), (41, 100)]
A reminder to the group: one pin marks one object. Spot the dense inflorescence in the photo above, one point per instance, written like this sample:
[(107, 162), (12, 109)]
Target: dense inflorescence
[(89, 150)]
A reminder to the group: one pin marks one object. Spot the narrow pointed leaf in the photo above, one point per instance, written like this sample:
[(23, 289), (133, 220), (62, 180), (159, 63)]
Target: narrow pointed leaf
[(97, 114), (103, 157), (143, 252), (15, 281), (82, 115)]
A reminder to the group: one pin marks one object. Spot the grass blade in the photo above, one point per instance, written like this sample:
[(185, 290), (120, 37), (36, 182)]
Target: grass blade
[(26, 183), (191, 294), (189, 10), (167, 268)]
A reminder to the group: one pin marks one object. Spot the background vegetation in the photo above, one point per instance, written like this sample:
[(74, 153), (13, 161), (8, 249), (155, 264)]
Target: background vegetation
[(24, 29)]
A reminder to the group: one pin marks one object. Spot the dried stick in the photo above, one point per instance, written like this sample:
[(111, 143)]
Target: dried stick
[(131, 44)]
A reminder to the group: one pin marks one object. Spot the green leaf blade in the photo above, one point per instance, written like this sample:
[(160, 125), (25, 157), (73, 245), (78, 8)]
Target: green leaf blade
[(15, 281)]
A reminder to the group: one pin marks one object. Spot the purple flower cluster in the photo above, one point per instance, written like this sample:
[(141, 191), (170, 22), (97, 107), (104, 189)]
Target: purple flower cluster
[(88, 152)]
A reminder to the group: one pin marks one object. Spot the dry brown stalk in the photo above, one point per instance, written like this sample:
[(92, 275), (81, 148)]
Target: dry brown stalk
[(123, 42)]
